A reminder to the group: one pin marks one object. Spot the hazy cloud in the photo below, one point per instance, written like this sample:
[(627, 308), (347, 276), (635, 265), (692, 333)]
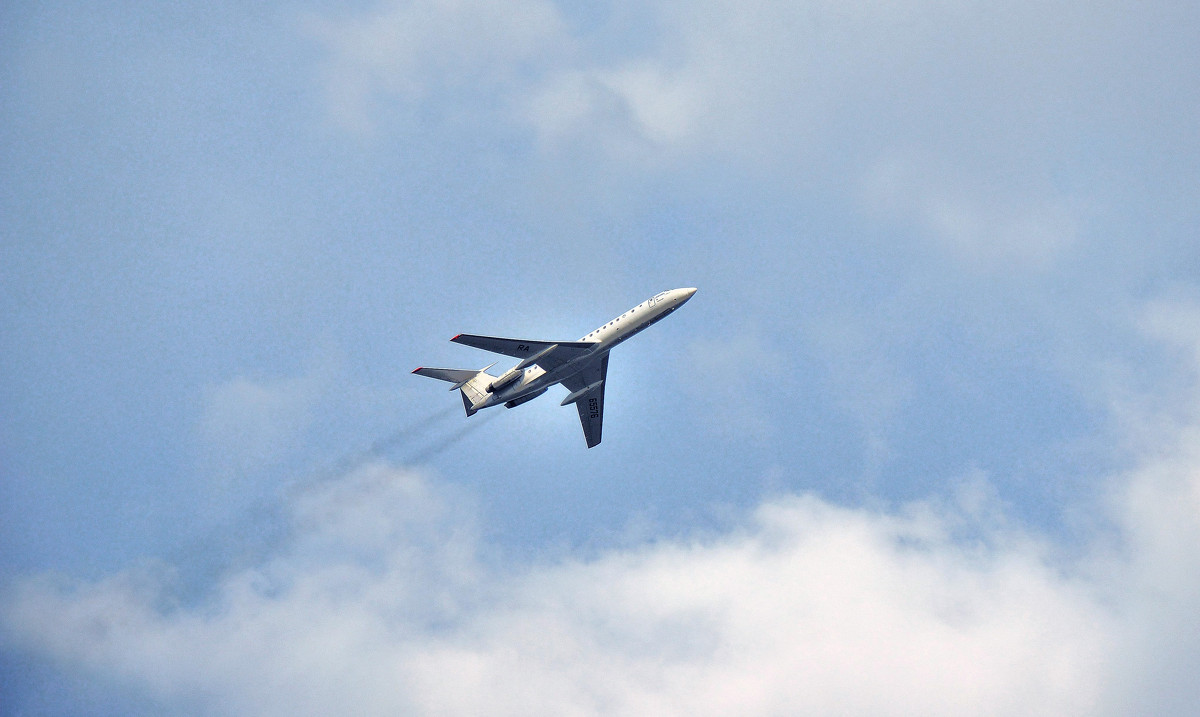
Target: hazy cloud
[(952, 115), (984, 223), (412, 50)]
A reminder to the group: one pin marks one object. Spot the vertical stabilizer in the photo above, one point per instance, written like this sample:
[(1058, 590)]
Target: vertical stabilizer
[(474, 392)]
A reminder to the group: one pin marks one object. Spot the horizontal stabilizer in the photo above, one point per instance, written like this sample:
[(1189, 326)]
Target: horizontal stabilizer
[(469, 382), (456, 376)]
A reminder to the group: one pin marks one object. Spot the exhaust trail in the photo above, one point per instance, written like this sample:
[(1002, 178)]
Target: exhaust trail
[(381, 446), (260, 526), (413, 430), (445, 444)]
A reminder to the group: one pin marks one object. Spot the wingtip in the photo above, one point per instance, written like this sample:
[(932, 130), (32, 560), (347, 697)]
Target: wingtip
[(417, 369), (456, 337)]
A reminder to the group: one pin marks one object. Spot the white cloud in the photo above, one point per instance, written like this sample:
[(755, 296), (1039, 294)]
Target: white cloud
[(380, 604)]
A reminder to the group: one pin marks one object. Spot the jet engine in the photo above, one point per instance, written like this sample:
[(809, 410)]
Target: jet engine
[(505, 381)]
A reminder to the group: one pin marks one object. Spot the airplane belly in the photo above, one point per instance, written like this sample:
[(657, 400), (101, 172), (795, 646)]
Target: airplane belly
[(513, 403)]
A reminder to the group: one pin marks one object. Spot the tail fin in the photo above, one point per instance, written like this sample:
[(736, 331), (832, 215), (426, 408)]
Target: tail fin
[(472, 384), (474, 392)]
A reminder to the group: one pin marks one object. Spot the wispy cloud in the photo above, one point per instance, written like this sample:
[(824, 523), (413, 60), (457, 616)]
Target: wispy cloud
[(411, 50), (985, 224)]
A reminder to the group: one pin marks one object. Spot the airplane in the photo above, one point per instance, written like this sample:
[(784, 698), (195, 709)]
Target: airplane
[(581, 366)]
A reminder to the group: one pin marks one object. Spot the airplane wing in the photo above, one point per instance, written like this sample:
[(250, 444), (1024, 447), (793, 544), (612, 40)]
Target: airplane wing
[(559, 353), (590, 403)]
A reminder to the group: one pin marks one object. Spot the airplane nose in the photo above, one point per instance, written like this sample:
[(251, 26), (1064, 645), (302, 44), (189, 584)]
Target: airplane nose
[(687, 293)]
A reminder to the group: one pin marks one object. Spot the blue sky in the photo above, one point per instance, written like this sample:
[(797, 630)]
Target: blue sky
[(926, 440)]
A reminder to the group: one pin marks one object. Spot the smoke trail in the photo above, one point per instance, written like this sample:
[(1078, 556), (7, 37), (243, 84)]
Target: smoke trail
[(262, 524), (380, 446), (411, 431), (437, 448)]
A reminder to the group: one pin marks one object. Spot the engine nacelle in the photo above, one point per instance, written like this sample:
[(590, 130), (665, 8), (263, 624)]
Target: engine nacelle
[(505, 381)]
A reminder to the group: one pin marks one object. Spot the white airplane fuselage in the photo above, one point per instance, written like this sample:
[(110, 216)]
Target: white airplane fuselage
[(533, 380)]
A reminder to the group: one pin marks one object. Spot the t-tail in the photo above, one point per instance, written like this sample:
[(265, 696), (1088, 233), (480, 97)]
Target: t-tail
[(472, 384)]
